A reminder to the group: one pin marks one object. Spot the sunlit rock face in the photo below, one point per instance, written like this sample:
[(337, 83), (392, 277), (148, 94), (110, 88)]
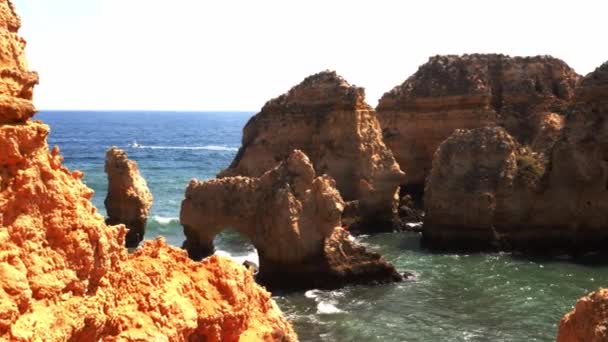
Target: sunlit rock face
[(129, 199), (487, 190), (588, 321), (292, 217), (66, 276), (525, 95), (328, 119)]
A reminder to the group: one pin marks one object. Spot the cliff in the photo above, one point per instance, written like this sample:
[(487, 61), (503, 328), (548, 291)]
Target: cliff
[(65, 275), (128, 200), (525, 95), (486, 190), (588, 321), (330, 122), (292, 217)]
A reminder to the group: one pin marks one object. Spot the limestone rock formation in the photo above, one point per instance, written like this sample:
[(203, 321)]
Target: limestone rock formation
[(525, 95), (292, 217), (588, 321), (66, 276), (330, 122), (128, 200), (487, 190)]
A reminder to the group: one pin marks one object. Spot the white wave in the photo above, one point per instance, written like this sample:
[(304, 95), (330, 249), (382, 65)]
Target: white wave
[(312, 293), (206, 147), (414, 224), (326, 308), (253, 257), (165, 220)]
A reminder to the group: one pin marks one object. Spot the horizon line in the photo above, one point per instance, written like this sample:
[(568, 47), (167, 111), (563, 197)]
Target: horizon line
[(150, 110)]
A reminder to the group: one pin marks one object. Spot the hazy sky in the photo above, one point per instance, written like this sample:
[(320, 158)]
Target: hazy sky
[(236, 55)]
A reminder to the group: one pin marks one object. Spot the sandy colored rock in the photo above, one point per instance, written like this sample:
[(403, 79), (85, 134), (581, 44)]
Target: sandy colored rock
[(488, 191), (328, 119), (292, 217), (588, 321), (471, 91), (66, 276), (128, 200)]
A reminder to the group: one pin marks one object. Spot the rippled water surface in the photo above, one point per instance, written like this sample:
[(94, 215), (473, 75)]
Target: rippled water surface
[(477, 297)]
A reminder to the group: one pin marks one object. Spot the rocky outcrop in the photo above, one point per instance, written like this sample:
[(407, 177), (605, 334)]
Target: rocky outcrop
[(525, 95), (128, 200), (330, 122), (588, 321), (486, 190), (66, 276), (292, 217)]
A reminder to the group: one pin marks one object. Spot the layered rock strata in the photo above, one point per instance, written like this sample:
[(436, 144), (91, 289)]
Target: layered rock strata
[(66, 276), (525, 95), (588, 321), (330, 122), (487, 190), (292, 217), (129, 199)]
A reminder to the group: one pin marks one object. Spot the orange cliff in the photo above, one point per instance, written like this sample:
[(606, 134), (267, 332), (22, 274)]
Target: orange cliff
[(588, 321), (65, 275)]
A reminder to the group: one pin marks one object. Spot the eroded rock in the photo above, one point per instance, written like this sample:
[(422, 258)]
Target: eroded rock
[(588, 321), (129, 199), (292, 217), (525, 95), (328, 120), (488, 191), (66, 276)]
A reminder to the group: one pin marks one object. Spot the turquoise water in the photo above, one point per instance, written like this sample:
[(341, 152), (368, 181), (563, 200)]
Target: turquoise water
[(477, 297)]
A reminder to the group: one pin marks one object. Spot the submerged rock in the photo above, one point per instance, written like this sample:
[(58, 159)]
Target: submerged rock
[(292, 217), (487, 191), (588, 321), (128, 200), (327, 119), (525, 95), (66, 276)]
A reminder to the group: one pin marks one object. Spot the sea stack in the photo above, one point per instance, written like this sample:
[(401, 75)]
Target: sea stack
[(66, 276), (128, 200), (526, 95), (292, 217), (588, 321), (487, 190), (328, 119)]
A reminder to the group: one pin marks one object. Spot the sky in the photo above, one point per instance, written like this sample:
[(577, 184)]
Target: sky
[(238, 54)]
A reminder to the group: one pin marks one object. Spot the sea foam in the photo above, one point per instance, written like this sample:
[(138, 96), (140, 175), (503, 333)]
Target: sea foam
[(206, 147)]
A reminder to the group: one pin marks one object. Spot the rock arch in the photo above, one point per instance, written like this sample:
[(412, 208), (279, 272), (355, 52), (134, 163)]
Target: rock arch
[(292, 217)]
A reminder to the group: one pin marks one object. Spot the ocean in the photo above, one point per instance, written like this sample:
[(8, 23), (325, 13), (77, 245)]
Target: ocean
[(455, 297)]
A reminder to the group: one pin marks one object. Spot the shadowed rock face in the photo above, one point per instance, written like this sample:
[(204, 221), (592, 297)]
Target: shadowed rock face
[(330, 122), (128, 200), (525, 95), (292, 217), (66, 276), (588, 321), (486, 191)]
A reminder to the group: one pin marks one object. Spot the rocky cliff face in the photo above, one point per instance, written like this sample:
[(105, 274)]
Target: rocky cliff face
[(292, 217), (128, 200), (65, 275), (588, 321), (487, 190), (329, 121), (525, 95)]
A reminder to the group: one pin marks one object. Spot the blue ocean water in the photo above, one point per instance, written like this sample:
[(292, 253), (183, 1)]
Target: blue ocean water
[(170, 149), (477, 297)]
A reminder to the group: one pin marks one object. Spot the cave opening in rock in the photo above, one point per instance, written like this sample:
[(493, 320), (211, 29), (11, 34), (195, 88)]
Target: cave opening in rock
[(233, 244)]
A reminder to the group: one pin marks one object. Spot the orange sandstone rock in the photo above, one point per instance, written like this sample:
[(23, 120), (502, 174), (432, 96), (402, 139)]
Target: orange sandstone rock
[(588, 321), (292, 217), (129, 199), (65, 275), (328, 119), (472, 91)]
